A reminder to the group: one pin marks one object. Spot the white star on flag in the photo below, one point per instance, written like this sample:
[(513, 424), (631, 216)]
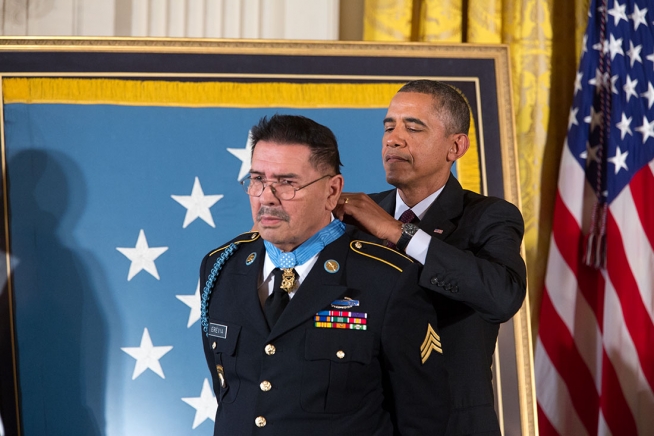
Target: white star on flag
[(650, 57), (614, 79), (619, 160), (245, 155), (147, 356), (634, 53), (595, 119), (142, 257), (197, 205), (590, 154), (638, 16), (205, 405), (649, 94), (602, 46), (618, 13), (192, 301), (599, 80), (630, 88), (647, 129), (624, 126), (615, 46), (572, 117), (578, 78)]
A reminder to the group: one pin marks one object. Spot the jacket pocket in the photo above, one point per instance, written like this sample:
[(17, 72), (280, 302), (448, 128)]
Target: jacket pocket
[(337, 370), (225, 356)]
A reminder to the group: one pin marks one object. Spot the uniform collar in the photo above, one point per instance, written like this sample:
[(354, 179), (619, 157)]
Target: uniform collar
[(301, 270)]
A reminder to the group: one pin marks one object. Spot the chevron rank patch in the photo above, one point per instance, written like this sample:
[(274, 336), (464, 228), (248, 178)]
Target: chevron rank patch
[(431, 343)]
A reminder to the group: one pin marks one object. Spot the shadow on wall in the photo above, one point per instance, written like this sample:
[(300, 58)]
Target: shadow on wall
[(8, 422), (59, 292)]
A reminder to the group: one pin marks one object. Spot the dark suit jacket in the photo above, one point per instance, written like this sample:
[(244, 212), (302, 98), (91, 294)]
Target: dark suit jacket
[(379, 386), (474, 266)]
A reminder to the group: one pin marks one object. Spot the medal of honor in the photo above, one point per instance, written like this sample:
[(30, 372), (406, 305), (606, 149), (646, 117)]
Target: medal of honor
[(288, 279)]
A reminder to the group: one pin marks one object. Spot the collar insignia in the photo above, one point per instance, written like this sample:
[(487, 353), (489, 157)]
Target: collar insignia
[(331, 266)]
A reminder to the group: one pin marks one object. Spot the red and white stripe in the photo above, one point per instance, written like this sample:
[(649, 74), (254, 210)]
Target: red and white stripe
[(595, 349)]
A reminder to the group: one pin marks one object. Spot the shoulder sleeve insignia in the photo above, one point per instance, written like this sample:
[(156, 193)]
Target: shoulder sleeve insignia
[(381, 253), (243, 238)]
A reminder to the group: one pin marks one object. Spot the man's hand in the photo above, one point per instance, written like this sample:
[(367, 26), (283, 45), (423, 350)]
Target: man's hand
[(362, 211)]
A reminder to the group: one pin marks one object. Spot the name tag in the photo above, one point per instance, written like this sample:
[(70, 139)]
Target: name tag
[(218, 330)]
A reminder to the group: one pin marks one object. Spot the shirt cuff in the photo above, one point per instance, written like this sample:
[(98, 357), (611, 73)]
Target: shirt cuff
[(418, 246)]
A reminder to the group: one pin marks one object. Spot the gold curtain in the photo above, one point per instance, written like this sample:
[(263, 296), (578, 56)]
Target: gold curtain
[(544, 38)]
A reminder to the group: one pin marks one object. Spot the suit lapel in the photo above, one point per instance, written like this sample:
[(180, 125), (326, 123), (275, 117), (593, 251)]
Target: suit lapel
[(388, 202), (317, 290), (241, 283), (438, 221)]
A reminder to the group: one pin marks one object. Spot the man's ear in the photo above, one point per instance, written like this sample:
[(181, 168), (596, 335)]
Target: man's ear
[(458, 146), (335, 187)]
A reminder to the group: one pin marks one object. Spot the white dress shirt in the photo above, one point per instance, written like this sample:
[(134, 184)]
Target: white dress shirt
[(267, 281), (419, 244)]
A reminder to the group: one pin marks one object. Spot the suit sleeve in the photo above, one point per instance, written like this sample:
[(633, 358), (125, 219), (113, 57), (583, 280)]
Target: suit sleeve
[(490, 274), (420, 397)]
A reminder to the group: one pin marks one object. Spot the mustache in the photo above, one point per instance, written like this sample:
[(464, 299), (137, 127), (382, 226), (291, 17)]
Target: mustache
[(274, 212)]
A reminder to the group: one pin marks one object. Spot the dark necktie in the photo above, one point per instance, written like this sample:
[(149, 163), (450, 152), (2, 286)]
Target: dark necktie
[(277, 301), (408, 216)]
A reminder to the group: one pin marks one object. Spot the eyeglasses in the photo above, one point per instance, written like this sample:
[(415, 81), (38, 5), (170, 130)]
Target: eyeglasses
[(282, 190)]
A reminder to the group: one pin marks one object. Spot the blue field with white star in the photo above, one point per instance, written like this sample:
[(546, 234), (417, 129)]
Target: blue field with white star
[(111, 211)]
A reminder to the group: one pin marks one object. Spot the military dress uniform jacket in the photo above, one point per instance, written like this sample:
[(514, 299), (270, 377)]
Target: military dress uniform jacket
[(299, 379), (474, 266)]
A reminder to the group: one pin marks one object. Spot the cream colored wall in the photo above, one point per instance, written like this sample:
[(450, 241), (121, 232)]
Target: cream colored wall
[(251, 19)]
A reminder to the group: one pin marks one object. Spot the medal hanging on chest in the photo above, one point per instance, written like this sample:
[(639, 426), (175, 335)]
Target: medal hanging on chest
[(288, 279)]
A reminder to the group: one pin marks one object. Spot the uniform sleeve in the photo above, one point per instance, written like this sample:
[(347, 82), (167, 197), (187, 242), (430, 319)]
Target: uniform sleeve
[(413, 360), (489, 275), (208, 353)]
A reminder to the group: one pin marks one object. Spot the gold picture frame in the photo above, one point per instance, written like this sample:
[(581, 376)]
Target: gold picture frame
[(481, 71)]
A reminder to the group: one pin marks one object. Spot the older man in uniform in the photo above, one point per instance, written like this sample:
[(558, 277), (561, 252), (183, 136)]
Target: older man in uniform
[(306, 329), (469, 244)]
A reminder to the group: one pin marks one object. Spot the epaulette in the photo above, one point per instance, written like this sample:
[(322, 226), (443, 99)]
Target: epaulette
[(381, 253), (243, 238)]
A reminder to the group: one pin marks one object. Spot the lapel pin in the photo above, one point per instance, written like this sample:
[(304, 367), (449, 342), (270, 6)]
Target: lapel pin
[(331, 266), (250, 259), (439, 231)]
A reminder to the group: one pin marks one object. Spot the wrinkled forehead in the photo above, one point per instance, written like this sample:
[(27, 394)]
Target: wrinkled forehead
[(274, 159)]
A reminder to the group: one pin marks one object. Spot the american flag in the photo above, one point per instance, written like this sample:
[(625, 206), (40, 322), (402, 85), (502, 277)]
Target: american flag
[(595, 347)]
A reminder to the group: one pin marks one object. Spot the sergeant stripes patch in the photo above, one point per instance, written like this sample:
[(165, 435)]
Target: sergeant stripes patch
[(432, 342)]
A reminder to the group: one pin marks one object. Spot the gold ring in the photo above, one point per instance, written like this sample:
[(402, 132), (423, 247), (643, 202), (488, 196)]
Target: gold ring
[(346, 200)]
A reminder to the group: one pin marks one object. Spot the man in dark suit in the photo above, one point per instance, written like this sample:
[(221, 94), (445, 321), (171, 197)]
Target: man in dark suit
[(469, 244), (306, 329)]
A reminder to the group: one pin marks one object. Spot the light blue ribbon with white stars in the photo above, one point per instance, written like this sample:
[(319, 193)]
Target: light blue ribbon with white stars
[(308, 249)]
